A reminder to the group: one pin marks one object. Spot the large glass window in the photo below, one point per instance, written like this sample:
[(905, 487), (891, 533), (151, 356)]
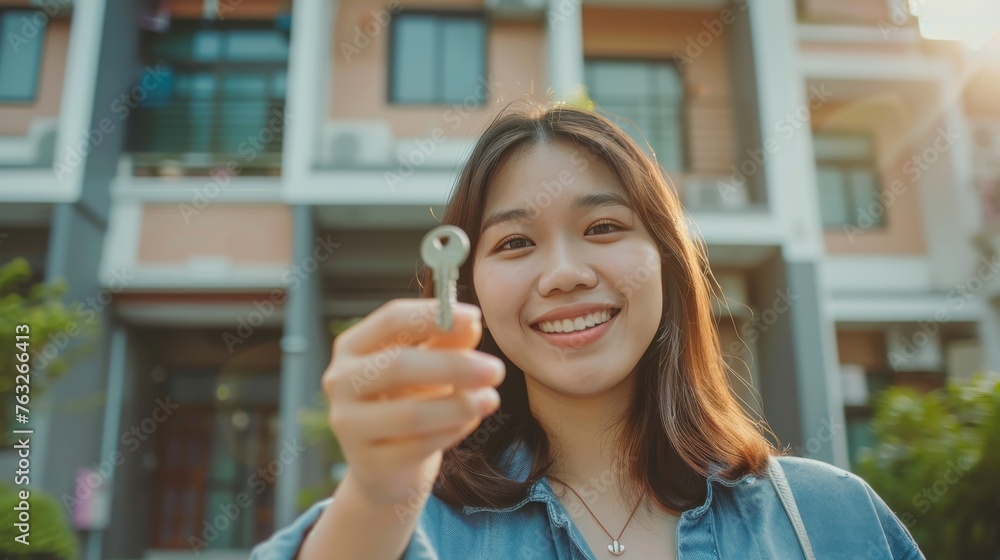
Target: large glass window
[(848, 183), (217, 90), (22, 33), (647, 99), (437, 58)]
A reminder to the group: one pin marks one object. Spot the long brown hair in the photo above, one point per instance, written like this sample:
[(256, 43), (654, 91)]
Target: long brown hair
[(684, 423)]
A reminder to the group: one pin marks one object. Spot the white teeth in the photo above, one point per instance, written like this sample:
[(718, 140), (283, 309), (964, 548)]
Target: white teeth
[(576, 324)]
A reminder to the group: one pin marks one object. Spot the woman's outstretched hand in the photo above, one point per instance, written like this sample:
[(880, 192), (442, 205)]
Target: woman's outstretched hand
[(401, 391)]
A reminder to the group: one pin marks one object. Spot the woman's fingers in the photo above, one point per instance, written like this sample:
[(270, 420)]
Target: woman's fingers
[(393, 421), (406, 368), (410, 322), (417, 449)]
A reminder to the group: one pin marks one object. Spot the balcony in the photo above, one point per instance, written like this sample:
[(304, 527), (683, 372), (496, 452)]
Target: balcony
[(188, 138)]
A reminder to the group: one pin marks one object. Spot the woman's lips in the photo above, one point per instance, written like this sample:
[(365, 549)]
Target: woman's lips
[(579, 339)]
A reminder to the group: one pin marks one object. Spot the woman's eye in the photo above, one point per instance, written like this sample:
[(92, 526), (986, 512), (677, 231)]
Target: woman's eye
[(604, 227), (512, 243)]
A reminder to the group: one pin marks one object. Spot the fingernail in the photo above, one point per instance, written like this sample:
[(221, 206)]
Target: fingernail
[(486, 399)]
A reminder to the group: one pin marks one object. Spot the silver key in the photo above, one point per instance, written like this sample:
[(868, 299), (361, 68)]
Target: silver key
[(445, 249)]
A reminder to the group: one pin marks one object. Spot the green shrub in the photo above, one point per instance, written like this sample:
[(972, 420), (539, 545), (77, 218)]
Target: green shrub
[(50, 536), (936, 463)]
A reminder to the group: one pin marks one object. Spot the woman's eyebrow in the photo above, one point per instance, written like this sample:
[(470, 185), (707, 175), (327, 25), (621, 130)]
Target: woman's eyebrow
[(585, 201)]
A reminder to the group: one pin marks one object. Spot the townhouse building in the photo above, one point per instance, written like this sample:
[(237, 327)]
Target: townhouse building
[(220, 180)]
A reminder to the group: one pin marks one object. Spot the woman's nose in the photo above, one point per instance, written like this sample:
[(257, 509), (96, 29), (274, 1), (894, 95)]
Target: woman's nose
[(564, 268)]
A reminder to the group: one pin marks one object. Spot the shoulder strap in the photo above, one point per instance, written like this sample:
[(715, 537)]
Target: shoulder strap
[(777, 476)]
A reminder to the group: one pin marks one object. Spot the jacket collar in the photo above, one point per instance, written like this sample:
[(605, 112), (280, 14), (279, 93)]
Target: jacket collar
[(519, 466)]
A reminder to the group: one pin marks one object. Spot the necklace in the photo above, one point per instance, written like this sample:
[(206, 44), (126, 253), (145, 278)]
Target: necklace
[(616, 547)]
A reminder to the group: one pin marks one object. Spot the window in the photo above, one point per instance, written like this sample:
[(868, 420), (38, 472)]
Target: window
[(650, 94), (437, 58), (22, 33), (217, 90), (847, 179)]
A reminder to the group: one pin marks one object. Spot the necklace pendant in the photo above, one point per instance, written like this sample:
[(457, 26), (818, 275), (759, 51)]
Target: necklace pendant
[(616, 548)]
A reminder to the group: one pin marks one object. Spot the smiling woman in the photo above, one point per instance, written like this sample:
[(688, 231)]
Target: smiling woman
[(615, 413)]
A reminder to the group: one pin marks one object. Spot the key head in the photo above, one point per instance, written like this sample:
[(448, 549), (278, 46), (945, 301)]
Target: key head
[(444, 247)]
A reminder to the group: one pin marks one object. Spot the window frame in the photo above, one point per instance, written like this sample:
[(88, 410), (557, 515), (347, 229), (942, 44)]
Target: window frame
[(218, 69), (477, 15), (33, 97), (845, 166), (683, 109)]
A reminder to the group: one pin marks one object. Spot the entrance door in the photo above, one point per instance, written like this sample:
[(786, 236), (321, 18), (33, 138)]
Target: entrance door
[(212, 489)]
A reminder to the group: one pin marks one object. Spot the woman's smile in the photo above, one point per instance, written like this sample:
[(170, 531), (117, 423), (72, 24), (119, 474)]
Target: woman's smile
[(577, 331)]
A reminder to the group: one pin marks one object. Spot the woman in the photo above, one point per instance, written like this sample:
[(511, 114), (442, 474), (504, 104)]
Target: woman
[(616, 433)]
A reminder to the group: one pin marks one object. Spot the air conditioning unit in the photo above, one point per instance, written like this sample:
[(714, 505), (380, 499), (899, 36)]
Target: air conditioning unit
[(914, 347), (703, 192), (516, 9), (357, 144)]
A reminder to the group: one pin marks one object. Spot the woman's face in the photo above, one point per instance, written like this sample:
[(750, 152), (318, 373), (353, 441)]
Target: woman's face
[(567, 276)]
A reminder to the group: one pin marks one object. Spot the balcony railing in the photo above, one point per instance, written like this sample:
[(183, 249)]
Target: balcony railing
[(193, 137)]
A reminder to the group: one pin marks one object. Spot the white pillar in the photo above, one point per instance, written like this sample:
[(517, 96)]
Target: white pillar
[(790, 173), (307, 99), (77, 102), (565, 36)]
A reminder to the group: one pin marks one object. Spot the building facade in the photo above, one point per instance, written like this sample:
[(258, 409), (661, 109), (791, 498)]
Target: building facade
[(220, 180)]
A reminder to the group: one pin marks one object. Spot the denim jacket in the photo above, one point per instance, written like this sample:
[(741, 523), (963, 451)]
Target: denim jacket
[(842, 516)]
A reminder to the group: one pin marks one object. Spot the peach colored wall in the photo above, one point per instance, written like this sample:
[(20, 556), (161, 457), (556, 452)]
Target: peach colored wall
[(866, 348), (890, 118), (844, 10), (16, 118), (360, 81), (674, 35), (246, 234)]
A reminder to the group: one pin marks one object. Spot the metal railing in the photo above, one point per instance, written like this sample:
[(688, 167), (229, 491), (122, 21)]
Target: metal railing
[(244, 130)]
